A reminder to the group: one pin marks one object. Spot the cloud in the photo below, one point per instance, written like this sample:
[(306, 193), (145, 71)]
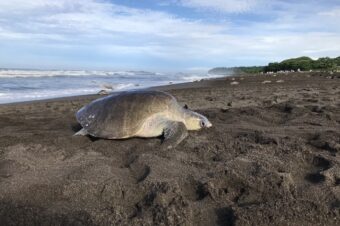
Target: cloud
[(228, 6), (79, 31), (95, 18), (332, 13)]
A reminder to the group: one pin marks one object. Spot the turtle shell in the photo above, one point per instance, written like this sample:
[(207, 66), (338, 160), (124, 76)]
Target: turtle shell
[(122, 115)]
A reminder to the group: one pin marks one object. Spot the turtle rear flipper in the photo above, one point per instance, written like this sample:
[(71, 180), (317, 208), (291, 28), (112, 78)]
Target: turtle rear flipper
[(174, 133)]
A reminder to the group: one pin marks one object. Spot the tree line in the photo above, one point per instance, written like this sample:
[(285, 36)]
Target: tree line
[(294, 64), (304, 64)]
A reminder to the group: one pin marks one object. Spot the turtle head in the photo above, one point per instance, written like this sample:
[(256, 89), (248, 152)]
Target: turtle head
[(196, 121)]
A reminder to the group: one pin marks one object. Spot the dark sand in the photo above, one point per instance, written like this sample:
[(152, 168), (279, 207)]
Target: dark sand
[(271, 158)]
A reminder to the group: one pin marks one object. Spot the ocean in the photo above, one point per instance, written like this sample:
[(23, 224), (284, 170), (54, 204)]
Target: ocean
[(26, 85)]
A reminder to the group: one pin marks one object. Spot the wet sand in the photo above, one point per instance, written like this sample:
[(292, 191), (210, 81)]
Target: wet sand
[(271, 158)]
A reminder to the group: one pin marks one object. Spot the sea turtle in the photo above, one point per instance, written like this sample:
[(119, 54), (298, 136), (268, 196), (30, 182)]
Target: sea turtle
[(139, 114)]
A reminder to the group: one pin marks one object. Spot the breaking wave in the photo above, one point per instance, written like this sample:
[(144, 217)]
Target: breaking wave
[(25, 85)]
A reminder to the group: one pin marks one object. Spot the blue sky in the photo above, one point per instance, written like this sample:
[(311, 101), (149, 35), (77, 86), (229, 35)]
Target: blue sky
[(159, 35)]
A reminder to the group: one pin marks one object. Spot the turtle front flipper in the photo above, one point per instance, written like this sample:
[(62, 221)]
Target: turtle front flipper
[(81, 132), (174, 133)]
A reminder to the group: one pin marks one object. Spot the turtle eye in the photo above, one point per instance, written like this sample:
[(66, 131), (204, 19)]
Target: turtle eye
[(202, 124)]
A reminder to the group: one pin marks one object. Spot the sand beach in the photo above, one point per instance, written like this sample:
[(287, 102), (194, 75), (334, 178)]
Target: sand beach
[(271, 158)]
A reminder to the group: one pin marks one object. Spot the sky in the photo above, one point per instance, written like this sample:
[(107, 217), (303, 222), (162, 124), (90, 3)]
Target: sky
[(159, 35)]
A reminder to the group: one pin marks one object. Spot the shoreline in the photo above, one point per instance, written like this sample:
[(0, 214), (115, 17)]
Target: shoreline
[(183, 85), (207, 82)]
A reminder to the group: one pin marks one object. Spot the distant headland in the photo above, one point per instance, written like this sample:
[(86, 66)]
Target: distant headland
[(303, 63)]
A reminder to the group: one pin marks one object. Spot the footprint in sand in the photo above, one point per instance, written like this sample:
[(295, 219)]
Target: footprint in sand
[(10, 167), (320, 164), (327, 140), (139, 171)]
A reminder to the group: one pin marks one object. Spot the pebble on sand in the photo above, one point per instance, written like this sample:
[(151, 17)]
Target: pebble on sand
[(234, 83), (279, 81), (266, 81)]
